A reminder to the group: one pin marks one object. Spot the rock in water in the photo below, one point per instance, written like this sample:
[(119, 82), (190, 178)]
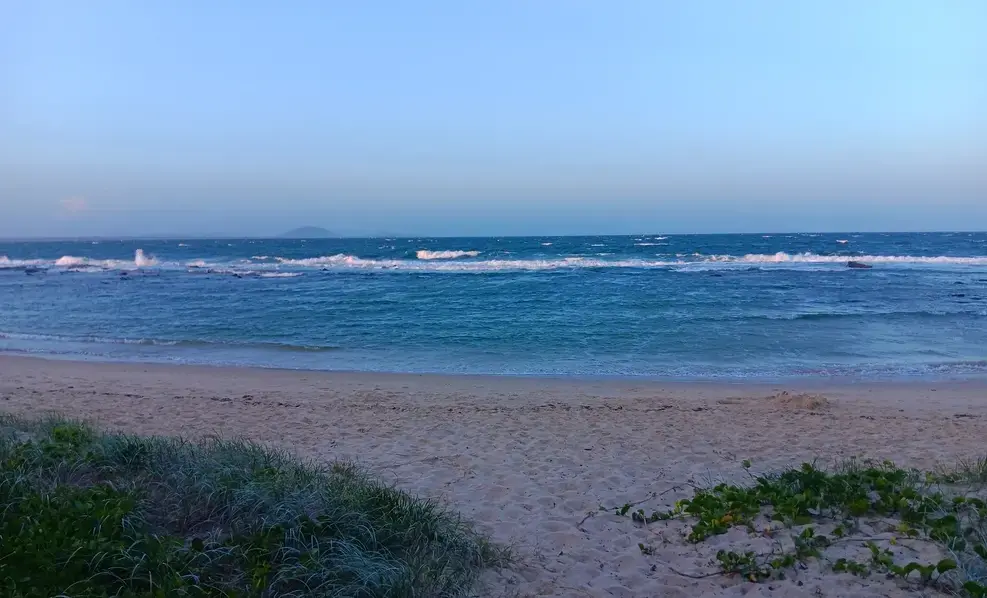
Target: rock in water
[(858, 265)]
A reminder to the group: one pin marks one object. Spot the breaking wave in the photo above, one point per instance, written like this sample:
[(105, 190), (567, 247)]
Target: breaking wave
[(450, 261), (143, 261), (343, 261), (812, 258), (425, 254), (8, 264)]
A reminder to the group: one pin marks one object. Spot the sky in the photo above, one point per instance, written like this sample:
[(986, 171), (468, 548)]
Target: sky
[(443, 117)]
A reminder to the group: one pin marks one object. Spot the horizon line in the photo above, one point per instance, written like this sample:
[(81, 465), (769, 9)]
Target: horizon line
[(171, 237)]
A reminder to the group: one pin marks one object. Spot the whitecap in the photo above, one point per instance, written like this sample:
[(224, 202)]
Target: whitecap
[(343, 262), (141, 260), (812, 258), (7, 263), (425, 254), (144, 261), (67, 261)]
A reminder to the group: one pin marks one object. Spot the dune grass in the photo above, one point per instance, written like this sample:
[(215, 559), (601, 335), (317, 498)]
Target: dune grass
[(90, 514)]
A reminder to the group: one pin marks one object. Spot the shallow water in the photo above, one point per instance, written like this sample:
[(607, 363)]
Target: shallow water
[(724, 306)]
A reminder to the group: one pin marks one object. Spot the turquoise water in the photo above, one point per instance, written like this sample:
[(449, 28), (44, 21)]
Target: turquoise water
[(687, 306)]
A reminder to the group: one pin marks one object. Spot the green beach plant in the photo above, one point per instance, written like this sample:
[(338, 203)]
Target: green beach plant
[(944, 508), (88, 514)]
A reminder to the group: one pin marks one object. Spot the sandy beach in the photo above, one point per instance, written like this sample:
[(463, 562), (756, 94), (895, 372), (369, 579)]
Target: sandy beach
[(532, 460)]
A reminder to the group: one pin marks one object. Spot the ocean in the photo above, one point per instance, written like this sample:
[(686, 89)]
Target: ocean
[(763, 306)]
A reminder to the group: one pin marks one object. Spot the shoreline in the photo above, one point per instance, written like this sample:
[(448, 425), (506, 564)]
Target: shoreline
[(807, 381), (899, 393), (531, 460)]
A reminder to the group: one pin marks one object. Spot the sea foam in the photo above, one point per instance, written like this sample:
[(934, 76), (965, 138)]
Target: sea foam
[(425, 254), (143, 261), (812, 258), (449, 261), (7, 263)]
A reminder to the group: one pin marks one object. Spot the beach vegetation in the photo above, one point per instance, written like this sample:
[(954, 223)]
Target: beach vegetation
[(943, 510), (89, 514)]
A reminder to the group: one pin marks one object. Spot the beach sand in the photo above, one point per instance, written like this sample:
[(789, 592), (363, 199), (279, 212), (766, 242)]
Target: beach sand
[(528, 460)]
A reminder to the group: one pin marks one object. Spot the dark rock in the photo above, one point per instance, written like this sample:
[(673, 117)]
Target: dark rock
[(858, 265)]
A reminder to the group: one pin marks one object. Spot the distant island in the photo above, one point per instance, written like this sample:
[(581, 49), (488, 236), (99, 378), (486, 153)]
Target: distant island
[(308, 232)]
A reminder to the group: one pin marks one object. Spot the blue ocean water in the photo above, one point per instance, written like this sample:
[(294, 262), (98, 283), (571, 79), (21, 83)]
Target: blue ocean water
[(676, 306)]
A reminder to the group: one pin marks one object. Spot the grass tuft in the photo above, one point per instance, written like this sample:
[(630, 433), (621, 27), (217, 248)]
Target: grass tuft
[(88, 514)]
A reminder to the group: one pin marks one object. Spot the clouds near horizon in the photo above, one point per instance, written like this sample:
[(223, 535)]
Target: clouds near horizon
[(74, 204)]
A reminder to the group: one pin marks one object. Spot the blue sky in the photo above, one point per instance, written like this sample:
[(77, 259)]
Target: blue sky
[(509, 117)]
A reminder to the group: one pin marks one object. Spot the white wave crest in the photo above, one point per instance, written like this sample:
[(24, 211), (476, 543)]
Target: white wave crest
[(85, 264), (7, 263), (812, 258), (281, 267), (425, 254), (343, 261), (340, 259), (143, 261), (68, 261), (140, 261)]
